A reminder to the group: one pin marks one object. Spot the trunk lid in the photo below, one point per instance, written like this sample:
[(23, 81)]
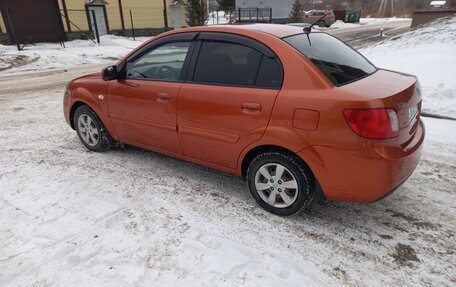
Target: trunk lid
[(388, 89)]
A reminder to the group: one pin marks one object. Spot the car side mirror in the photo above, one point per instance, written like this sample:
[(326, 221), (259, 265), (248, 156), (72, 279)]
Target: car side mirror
[(109, 73)]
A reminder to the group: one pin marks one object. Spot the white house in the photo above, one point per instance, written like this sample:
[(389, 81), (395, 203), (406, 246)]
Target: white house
[(280, 9)]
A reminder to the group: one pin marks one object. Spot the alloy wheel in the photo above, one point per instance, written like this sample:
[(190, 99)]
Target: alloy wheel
[(88, 130), (276, 185)]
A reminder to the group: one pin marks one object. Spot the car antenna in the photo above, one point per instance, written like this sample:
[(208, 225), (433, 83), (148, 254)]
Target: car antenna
[(308, 29)]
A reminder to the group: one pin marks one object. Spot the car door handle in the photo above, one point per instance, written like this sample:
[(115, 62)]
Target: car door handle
[(251, 107), (162, 97)]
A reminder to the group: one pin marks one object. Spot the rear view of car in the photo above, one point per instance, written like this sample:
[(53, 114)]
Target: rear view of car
[(380, 138)]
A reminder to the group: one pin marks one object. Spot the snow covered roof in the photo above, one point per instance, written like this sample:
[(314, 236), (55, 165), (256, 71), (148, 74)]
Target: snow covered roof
[(96, 2)]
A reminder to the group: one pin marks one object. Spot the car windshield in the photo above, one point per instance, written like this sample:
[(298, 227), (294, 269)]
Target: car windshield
[(338, 61)]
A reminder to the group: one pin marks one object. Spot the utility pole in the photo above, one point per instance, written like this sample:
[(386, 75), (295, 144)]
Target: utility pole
[(122, 22), (380, 8), (165, 15), (383, 5)]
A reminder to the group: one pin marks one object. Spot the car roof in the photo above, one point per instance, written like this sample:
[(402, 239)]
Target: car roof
[(276, 30)]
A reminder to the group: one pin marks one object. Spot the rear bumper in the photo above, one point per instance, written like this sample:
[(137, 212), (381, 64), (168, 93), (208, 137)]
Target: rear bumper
[(363, 176), (393, 190)]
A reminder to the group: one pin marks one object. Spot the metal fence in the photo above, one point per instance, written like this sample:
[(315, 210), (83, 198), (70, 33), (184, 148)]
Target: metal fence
[(256, 15), (75, 20), (21, 26)]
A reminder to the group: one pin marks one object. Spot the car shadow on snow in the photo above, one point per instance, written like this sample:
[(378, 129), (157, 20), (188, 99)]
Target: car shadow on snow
[(349, 214), (389, 224)]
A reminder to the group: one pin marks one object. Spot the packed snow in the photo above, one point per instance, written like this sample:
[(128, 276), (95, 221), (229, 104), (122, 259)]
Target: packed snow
[(78, 52), (218, 17), (429, 53), (130, 217), (339, 24), (370, 20)]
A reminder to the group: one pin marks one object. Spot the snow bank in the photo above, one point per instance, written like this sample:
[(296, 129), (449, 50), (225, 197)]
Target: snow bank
[(43, 56), (217, 17), (428, 52), (381, 20), (440, 130), (340, 24)]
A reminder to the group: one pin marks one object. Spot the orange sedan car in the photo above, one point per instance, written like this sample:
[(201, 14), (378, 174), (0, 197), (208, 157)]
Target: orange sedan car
[(298, 113)]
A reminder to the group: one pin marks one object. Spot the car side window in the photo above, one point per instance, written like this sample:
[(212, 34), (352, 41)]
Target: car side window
[(270, 73), (227, 63), (163, 63)]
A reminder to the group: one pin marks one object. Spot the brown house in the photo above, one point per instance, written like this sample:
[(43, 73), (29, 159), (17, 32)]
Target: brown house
[(51, 20)]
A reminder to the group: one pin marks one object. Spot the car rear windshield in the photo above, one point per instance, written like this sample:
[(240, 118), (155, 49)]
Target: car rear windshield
[(338, 61)]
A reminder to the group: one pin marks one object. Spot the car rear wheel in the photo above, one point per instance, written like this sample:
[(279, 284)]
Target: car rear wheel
[(280, 183), (91, 130), (322, 24)]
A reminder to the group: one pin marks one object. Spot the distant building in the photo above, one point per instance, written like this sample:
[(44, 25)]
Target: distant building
[(280, 9), (146, 13), (47, 20)]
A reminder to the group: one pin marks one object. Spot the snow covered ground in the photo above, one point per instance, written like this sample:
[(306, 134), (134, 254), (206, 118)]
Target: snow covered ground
[(339, 24), (130, 217), (69, 217), (366, 21), (217, 17), (430, 54), (78, 52)]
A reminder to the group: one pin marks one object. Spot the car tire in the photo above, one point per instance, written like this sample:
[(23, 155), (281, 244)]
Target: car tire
[(90, 130), (322, 24), (283, 196)]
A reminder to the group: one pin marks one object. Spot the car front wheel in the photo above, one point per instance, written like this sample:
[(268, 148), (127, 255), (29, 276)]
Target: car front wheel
[(280, 183), (91, 130)]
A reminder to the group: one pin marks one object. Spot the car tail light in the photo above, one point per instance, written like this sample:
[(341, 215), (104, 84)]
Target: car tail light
[(373, 123)]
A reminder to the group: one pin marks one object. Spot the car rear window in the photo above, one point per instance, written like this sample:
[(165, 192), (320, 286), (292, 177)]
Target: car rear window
[(338, 61)]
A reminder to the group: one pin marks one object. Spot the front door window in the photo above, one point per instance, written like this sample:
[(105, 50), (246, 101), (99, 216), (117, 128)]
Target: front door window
[(161, 64)]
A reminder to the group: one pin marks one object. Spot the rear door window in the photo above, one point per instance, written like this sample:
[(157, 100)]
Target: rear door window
[(227, 63), (269, 73)]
